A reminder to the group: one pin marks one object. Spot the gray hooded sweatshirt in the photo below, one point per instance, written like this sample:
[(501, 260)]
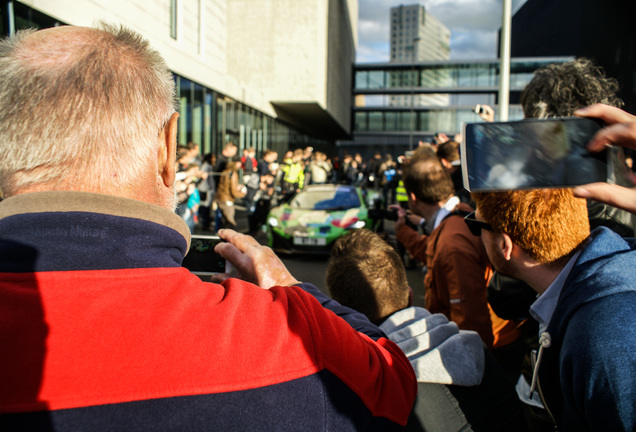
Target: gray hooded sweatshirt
[(438, 351)]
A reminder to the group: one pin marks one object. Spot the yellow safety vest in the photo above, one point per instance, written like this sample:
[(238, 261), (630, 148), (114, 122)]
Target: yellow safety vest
[(400, 192), (295, 174)]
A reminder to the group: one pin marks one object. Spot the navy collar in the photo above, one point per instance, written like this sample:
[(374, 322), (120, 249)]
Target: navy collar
[(63, 231)]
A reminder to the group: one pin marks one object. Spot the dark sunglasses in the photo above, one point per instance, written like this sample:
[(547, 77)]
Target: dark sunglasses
[(475, 226)]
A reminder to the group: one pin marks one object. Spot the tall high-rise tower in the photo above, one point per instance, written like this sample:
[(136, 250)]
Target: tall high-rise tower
[(416, 35)]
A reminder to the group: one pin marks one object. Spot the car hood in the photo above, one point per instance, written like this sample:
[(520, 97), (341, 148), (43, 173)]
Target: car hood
[(297, 220)]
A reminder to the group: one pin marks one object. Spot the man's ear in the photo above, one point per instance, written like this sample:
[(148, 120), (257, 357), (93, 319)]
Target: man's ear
[(506, 246), (167, 152)]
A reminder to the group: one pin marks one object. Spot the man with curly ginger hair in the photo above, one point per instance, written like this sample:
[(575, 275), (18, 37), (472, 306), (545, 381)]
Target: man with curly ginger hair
[(587, 300)]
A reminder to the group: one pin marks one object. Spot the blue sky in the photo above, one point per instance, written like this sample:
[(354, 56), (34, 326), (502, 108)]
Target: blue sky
[(473, 25)]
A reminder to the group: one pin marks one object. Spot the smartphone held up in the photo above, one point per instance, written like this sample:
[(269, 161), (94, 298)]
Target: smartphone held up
[(201, 258), (536, 153), (479, 109)]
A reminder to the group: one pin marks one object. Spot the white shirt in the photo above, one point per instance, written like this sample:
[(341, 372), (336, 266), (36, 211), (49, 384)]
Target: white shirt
[(448, 207)]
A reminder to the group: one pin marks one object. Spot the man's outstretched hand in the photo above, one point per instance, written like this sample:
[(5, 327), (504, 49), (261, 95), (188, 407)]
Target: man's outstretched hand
[(254, 263)]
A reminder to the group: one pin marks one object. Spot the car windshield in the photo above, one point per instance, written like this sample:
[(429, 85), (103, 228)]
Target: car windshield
[(326, 199)]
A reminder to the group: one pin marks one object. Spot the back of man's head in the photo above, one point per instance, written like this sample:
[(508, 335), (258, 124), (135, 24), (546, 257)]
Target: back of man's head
[(366, 274), (298, 155), (548, 224), (448, 151), (425, 177), (270, 154), (557, 90), (81, 108), (229, 150)]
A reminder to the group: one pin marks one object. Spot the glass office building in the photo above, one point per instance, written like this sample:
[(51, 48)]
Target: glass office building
[(379, 125)]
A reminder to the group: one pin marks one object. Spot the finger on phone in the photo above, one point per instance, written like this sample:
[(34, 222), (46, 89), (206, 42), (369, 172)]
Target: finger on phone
[(623, 134), (238, 259), (241, 241), (621, 126), (608, 114), (614, 195)]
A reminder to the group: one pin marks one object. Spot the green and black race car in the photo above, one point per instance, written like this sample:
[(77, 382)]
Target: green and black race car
[(319, 214)]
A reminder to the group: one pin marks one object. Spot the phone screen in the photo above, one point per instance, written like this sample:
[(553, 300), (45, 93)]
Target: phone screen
[(531, 154), (201, 258)]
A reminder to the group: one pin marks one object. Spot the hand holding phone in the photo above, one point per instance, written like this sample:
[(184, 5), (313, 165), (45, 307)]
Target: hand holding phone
[(485, 112), (621, 130)]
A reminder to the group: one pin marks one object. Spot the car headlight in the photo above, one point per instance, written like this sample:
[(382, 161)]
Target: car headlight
[(359, 224), (272, 221)]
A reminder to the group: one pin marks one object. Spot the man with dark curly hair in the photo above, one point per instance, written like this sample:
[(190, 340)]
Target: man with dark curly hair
[(558, 90)]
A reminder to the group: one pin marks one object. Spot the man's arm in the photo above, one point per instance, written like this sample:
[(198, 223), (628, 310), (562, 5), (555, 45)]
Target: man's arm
[(352, 348), (260, 265), (355, 319), (413, 241)]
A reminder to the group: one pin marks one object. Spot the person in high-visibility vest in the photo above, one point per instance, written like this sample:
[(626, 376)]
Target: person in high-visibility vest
[(294, 174), (402, 198), (400, 194)]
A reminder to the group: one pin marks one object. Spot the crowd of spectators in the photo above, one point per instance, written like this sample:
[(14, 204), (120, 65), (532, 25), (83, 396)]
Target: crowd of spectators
[(209, 189)]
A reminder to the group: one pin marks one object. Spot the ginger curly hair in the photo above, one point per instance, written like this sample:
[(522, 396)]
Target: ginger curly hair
[(549, 224)]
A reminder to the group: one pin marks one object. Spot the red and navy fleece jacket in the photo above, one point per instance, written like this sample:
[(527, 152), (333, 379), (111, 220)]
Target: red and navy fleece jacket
[(101, 329)]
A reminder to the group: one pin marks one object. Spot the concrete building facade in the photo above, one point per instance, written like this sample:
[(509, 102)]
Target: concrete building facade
[(263, 73)]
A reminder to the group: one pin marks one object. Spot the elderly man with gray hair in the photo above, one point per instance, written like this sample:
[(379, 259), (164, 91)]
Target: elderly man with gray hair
[(100, 326)]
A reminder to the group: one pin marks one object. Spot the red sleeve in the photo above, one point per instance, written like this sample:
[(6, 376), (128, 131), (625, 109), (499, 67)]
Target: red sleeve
[(377, 371)]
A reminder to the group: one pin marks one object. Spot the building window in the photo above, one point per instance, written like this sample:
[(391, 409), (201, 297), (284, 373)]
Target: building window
[(173, 19)]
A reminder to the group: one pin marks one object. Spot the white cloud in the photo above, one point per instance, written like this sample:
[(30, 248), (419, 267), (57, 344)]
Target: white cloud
[(473, 45), (473, 25)]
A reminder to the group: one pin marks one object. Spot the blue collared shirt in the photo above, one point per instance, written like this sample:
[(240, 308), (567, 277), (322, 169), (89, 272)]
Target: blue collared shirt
[(543, 308)]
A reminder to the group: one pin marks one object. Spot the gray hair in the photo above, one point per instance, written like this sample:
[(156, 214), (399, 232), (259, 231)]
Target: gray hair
[(81, 111)]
